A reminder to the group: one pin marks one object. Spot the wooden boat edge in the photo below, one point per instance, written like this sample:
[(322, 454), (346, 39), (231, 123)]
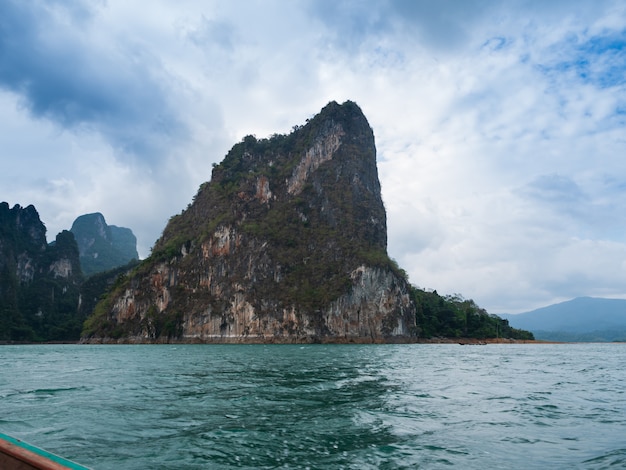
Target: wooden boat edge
[(16, 454)]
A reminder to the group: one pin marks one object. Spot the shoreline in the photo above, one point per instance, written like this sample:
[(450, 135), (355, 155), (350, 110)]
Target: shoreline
[(304, 340)]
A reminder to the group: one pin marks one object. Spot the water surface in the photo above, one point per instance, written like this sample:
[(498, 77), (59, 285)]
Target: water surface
[(319, 406)]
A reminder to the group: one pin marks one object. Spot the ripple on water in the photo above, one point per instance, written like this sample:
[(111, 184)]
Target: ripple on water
[(321, 406)]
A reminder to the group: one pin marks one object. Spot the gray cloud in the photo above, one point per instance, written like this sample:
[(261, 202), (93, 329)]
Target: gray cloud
[(60, 74), (351, 23), (215, 34), (555, 189), (443, 24), (595, 215)]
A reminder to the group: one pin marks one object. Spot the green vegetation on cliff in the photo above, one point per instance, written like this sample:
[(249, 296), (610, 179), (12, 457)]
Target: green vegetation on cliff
[(335, 222), (287, 240)]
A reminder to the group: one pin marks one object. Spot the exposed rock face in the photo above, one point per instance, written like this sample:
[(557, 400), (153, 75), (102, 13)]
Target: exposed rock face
[(321, 151), (39, 283), (286, 243), (102, 247)]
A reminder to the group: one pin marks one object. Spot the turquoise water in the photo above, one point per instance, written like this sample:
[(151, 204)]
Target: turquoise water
[(319, 406)]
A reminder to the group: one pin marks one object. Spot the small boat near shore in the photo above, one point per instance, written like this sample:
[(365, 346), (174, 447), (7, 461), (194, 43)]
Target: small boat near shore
[(16, 454)]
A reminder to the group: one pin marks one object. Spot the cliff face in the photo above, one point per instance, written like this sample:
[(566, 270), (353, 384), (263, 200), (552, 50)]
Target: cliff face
[(102, 247), (39, 283), (287, 242)]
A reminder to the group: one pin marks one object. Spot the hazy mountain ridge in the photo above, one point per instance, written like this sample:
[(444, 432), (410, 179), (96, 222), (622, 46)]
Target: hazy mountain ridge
[(101, 246), (43, 293), (579, 319)]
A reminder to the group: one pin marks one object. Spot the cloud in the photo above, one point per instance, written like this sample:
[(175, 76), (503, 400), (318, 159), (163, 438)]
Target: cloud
[(350, 23), (216, 34), (439, 26), (561, 192), (64, 74), (443, 25), (492, 167), (499, 126)]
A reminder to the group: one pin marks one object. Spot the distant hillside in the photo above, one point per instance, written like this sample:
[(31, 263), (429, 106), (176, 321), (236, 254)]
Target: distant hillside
[(103, 247), (580, 319), (43, 293), (39, 283)]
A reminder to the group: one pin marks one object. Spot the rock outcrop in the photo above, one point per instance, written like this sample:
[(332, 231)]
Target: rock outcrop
[(103, 247), (286, 243), (39, 283)]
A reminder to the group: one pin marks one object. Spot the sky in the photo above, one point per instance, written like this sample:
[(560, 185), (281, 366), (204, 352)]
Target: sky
[(500, 126)]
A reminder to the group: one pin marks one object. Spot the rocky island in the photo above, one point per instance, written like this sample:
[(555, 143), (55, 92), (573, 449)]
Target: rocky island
[(287, 242)]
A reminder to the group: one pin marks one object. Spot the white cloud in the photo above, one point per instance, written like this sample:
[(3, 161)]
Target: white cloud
[(499, 126)]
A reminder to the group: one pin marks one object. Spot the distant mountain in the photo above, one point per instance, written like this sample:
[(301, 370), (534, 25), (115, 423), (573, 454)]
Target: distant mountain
[(39, 283), (580, 319), (43, 293), (102, 247)]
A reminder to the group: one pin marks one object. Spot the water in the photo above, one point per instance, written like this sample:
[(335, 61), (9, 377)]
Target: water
[(319, 406)]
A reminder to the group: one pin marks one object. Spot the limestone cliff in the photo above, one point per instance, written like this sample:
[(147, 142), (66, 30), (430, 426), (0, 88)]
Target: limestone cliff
[(286, 243), (39, 283)]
